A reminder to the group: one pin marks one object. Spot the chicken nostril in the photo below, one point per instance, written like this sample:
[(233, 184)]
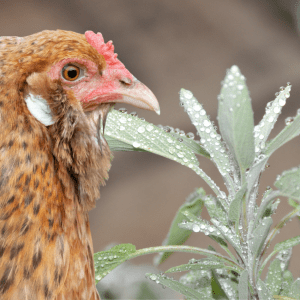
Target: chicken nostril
[(126, 81)]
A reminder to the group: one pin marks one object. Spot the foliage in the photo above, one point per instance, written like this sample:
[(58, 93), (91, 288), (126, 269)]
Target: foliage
[(241, 154)]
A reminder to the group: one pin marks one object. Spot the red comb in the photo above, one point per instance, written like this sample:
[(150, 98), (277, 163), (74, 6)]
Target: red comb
[(107, 50)]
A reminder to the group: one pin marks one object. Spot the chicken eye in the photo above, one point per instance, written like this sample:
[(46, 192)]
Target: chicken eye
[(70, 72)]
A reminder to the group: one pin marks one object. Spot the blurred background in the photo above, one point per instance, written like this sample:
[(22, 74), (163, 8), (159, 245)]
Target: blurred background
[(169, 44)]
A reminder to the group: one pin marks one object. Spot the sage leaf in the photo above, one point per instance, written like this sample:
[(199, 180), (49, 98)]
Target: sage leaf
[(235, 117), (176, 235), (274, 278), (289, 183), (243, 285), (106, 261)]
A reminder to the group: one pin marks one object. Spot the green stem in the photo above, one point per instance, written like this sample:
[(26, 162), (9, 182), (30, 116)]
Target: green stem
[(187, 249)]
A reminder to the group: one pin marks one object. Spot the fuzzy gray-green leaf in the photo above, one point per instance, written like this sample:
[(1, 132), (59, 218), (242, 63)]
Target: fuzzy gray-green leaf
[(287, 281), (243, 285), (274, 277), (215, 209), (234, 209), (106, 261), (289, 132), (295, 289), (235, 117), (176, 235), (200, 281), (259, 235), (196, 265), (133, 133), (287, 244), (273, 110), (174, 285), (263, 291), (289, 183), (210, 139)]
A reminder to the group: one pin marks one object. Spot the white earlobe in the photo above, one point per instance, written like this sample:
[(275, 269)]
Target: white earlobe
[(40, 109)]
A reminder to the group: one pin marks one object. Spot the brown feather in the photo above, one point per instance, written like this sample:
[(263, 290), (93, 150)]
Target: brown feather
[(49, 176)]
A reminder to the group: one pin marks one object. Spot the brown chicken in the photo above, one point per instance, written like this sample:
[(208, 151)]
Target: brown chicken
[(56, 88)]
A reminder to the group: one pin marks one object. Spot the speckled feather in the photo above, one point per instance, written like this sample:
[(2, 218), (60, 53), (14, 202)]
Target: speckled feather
[(49, 177)]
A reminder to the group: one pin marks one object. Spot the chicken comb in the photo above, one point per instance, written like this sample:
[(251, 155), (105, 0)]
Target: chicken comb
[(107, 50)]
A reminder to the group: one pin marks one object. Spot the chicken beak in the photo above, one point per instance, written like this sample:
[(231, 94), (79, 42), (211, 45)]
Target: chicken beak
[(135, 93)]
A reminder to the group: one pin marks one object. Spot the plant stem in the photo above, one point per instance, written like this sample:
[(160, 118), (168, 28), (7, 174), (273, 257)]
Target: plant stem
[(188, 249)]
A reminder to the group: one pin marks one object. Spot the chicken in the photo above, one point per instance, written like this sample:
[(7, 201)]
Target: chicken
[(56, 88)]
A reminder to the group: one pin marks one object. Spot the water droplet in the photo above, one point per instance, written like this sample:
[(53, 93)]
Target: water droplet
[(122, 110), (289, 120), (149, 127), (171, 150), (153, 277), (240, 87), (180, 154), (277, 109), (206, 123), (196, 107), (261, 136), (135, 144), (270, 119), (134, 113), (123, 120), (234, 69), (222, 195), (186, 94), (122, 128), (282, 101), (196, 228), (141, 129), (190, 135)]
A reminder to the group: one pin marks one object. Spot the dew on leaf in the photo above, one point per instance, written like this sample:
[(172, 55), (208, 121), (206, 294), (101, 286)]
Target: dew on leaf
[(277, 109), (171, 150), (289, 120), (122, 110), (186, 94), (197, 107), (141, 129), (196, 228), (190, 135), (282, 101), (123, 120), (149, 127), (206, 123)]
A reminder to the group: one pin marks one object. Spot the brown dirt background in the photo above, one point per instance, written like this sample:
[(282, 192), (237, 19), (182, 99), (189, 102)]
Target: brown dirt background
[(169, 44)]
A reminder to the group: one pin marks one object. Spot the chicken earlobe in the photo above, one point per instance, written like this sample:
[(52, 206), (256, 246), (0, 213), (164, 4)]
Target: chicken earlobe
[(39, 108)]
